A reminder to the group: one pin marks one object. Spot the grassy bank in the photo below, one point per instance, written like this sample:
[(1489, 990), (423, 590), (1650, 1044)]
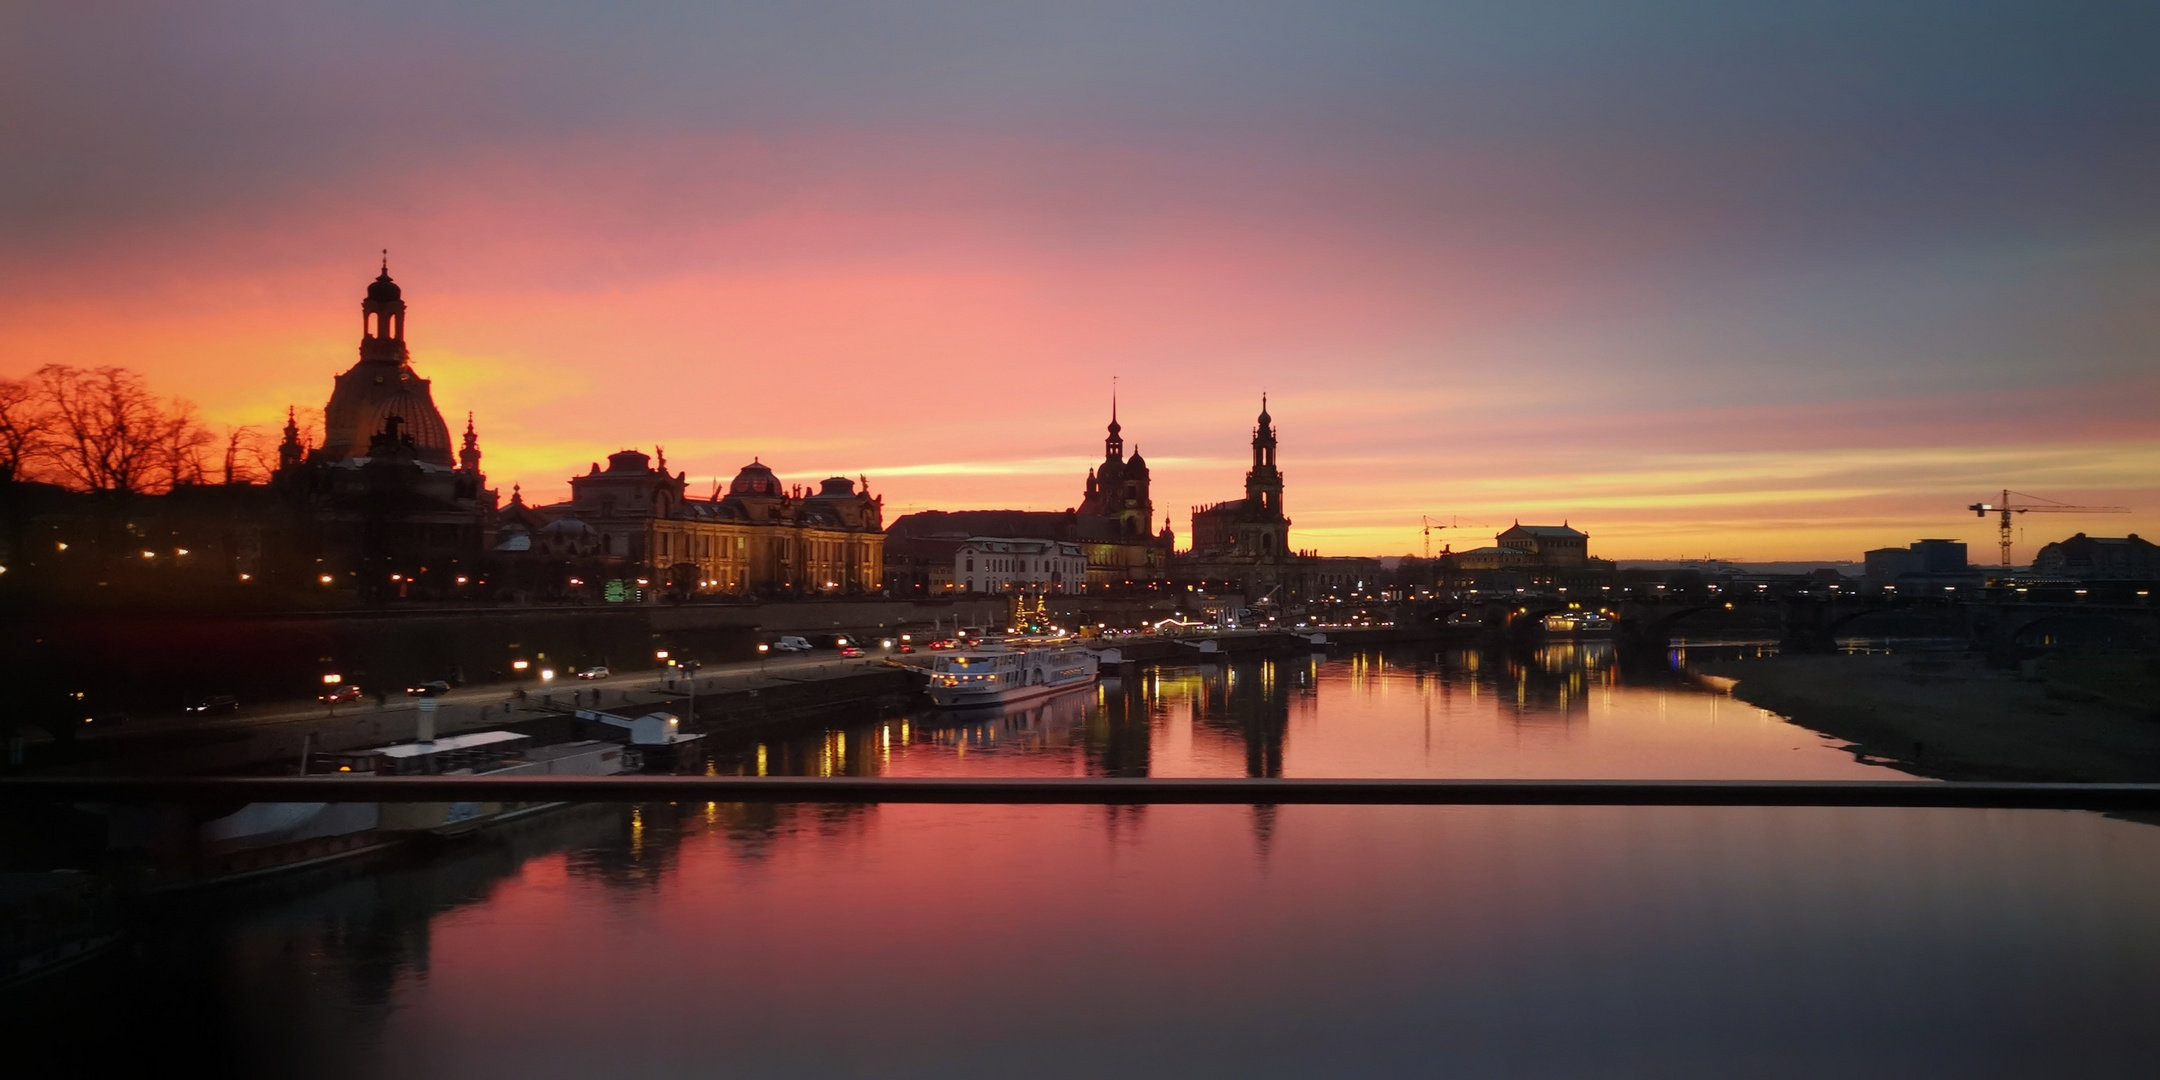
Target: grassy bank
[(2093, 717)]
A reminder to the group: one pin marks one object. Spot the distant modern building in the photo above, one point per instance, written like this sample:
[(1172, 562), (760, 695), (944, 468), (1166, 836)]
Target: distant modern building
[(1885, 566), (2100, 558)]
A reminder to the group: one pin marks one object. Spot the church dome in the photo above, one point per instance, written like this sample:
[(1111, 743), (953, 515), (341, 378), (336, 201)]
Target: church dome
[(364, 401), (628, 461), (416, 415), (383, 290), (755, 479)]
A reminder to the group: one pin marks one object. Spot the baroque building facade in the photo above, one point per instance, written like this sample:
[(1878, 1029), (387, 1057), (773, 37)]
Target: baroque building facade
[(758, 538)]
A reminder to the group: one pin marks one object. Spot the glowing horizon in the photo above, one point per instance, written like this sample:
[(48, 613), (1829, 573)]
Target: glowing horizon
[(1487, 267)]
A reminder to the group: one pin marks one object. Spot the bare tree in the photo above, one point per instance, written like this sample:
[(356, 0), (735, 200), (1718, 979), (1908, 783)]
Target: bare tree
[(110, 434), (182, 443), (25, 429), (251, 456)]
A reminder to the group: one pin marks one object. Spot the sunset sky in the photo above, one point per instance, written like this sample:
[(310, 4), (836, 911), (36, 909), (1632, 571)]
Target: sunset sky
[(1778, 281)]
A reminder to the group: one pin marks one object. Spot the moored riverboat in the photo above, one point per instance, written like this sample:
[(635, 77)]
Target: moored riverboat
[(999, 674), (477, 753), (1578, 624)]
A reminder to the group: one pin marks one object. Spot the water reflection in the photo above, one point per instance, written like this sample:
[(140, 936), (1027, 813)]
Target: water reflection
[(1566, 709), (919, 940), (700, 937)]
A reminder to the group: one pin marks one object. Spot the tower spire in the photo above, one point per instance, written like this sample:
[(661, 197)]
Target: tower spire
[(469, 456), (1114, 446)]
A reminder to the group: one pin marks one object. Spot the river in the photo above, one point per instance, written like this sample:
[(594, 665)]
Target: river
[(707, 939)]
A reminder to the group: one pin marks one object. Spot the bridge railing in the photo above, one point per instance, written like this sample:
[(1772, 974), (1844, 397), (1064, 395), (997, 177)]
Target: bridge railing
[(1083, 791)]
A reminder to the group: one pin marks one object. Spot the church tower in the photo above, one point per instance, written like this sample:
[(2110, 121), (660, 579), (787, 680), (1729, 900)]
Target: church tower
[(469, 456), (383, 386), (290, 452), (1263, 484)]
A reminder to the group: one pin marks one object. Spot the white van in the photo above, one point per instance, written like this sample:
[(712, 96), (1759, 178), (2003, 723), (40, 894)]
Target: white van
[(791, 644)]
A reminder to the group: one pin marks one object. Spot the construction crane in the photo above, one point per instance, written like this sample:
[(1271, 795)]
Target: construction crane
[(1429, 527), (2035, 505)]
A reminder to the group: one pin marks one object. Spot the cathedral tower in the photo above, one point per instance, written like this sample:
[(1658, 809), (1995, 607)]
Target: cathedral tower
[(383, 385), (1263, 484)]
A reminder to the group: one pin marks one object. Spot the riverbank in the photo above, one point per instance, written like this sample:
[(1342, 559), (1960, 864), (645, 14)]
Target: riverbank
[(1953, 718)]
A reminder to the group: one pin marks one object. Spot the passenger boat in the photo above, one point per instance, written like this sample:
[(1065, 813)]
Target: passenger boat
[(478, 753), (998, 674), (271, 838), (1577, 624)]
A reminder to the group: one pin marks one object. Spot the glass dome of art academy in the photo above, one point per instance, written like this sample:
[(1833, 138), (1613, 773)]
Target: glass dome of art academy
[(383, 385)]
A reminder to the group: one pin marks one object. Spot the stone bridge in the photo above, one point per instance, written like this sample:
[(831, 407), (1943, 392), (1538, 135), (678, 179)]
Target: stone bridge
[(2004, 629)]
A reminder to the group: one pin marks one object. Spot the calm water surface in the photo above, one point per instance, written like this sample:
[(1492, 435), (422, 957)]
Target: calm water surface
[(710, 939)]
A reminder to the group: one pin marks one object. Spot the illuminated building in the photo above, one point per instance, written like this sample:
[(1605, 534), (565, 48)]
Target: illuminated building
[(759, 538)]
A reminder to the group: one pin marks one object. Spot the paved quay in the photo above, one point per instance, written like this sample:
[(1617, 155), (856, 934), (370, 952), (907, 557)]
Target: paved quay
[(280, 731)]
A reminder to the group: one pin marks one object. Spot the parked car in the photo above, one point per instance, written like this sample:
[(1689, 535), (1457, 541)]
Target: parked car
[(594, 672), (850, 652), (215, 703), (342, 694), (431, 688), (791, 644)]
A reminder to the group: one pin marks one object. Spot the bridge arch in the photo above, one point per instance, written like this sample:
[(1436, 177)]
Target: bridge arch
[(2080, 627)]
